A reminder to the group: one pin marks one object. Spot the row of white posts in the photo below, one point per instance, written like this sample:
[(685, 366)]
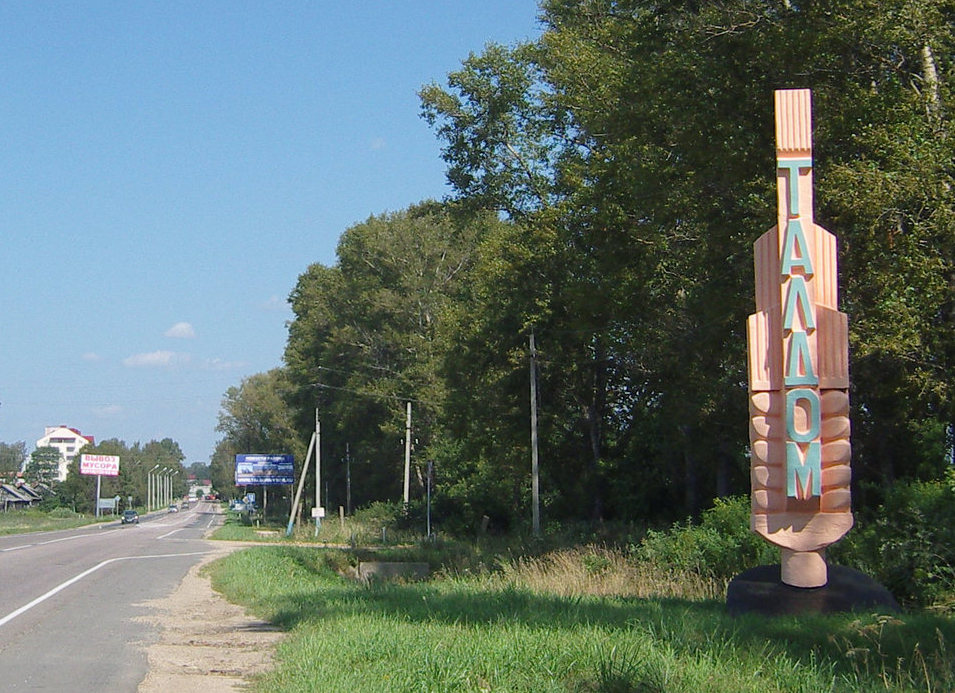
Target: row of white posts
[(159, 487), (316, 444)]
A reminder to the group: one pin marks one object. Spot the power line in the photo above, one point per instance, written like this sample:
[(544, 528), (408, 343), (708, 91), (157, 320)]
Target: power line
[(374, 395)]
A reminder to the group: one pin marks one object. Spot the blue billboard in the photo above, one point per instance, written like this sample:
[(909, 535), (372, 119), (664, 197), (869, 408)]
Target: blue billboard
[(264, 470)]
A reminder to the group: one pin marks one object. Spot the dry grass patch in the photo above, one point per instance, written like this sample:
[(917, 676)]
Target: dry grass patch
[(601, 571)]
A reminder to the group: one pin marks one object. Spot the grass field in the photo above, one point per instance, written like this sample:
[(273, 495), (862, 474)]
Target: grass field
[(19, 521), (581, 619)]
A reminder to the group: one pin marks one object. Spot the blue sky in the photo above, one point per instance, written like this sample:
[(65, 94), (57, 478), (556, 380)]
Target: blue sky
[(171, 168)]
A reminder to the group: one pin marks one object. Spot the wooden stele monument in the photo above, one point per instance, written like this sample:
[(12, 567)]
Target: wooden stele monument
[(798, 369)]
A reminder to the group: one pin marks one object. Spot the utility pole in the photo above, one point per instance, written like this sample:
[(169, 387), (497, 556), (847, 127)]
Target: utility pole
[(430, 473), (301, 485), (348, 478), (318, 472), (407, 454), (535, 477)]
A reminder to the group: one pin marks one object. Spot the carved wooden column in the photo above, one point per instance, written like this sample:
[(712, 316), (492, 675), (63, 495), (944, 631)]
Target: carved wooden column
[(798, 368)]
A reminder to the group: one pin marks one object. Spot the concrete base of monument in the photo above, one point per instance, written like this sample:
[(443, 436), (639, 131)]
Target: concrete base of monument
[(760, 590)]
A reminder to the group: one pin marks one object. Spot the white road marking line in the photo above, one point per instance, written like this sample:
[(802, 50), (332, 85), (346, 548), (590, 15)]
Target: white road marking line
[(62, 586), (55, 541)]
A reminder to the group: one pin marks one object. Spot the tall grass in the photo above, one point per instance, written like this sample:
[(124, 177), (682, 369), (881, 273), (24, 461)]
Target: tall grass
[(641, 615), (34, 520), (601, 571), (571, 621), (380, 524)]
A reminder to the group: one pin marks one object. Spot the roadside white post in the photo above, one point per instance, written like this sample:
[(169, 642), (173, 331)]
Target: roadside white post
[(318, 473), (407, 480)]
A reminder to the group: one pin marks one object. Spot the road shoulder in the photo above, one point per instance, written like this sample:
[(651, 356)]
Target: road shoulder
[(204, 642)]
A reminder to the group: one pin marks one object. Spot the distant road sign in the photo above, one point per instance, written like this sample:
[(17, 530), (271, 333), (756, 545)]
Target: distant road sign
[(99, 465), (267, 470)]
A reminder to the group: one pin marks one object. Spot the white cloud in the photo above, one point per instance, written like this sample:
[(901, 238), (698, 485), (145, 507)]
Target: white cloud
[(181, 330), (155, 359), (378, 143), (273, 305), (223, 365), (108, 410), (91, 356)]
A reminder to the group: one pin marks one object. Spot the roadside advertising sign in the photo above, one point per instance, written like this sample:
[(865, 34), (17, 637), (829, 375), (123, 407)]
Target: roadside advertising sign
[(264, 470), (99, 465)]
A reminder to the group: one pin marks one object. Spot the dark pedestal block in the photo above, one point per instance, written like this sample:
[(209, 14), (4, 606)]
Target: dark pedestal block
[(760, 590)]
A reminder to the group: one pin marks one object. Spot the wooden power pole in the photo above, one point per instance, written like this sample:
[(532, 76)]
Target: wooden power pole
[(535, 477)]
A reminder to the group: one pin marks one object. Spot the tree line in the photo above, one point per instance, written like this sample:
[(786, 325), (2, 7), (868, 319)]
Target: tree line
[(78, 491), (608, 180), (135, 463)]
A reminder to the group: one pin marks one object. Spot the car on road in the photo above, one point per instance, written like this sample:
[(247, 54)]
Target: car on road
[(173, 508), (130, 517)]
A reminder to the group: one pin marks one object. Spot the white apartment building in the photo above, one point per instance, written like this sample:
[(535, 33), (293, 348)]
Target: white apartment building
[(68, 441)]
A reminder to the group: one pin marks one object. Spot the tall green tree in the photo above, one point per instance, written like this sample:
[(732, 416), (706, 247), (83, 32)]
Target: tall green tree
[(366, 340), (12, 457), (633, 147), (255, 418), (222, 469), (43, 466), (513, 146), (883, 176), (78, 491), (199, 469)]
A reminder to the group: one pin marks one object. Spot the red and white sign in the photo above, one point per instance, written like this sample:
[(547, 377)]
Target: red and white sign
[(99, 465)]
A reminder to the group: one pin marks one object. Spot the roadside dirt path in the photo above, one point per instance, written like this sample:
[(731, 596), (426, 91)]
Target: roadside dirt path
[(205, 643)]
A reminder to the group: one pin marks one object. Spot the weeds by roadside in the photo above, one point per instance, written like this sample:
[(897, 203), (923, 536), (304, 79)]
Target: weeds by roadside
[(644, 613), (19, 521), (571, 620)]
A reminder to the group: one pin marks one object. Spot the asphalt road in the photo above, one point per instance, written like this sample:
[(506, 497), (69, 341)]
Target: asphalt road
[(69, 599)]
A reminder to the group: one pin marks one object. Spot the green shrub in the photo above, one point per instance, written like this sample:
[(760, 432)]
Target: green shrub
[(380, 513), (908, 545), (62, 513), (596, 563), (720, 546)]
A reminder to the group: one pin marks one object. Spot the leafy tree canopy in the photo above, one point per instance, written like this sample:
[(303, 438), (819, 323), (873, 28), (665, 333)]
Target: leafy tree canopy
[(608, 181), (12, 457)]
